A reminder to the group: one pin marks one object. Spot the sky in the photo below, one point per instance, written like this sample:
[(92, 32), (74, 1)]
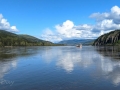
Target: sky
[(56, 20)]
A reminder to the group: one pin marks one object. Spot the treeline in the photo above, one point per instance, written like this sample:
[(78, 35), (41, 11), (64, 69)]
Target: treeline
[(111, 38), (11, 39)]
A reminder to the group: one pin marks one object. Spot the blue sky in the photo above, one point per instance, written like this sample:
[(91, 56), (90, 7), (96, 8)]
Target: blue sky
[(52, 19)]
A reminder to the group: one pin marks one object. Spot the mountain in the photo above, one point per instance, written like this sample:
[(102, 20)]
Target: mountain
[(77, 41), (111, 38), (12, 39)]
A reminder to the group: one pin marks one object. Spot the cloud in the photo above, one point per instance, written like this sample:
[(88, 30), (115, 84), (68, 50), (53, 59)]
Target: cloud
[(48, 35), (5, 25), (67, 30), (105, 22)]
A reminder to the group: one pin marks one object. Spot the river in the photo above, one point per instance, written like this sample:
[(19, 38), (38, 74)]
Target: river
[(59, 68)]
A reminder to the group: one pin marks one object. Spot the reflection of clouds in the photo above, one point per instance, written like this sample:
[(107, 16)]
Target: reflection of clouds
[(48, 53), (68, 57), (106, 65), (68, 60), (115, 77), (14, 63), (110, 67), (115, 74), (9, 55), (86, 59), (66, 64), (5, 66)]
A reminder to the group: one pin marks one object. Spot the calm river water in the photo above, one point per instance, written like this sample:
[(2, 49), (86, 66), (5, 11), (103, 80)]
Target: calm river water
[(60, 68)]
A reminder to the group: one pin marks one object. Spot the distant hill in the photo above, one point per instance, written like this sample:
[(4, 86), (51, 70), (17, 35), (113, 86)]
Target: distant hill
[(77, 41), (111, 38), (11, 39)]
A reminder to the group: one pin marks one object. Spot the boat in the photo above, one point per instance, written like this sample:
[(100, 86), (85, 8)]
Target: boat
[(80, 45)]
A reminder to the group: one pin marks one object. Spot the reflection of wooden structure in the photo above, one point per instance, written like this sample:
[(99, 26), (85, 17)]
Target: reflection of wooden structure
[(80, 45)]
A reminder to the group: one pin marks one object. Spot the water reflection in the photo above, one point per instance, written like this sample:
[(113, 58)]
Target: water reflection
[(65, 58), (99, 62), (74, 57), (110, 51), (110, 63), (9, 56), (6, 66), (68, 58)]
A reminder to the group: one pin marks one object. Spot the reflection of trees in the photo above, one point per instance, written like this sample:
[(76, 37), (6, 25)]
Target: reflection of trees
[(109, 51), (109, 63), (12, 52), (111, 69), (68, 58), (9, 55)]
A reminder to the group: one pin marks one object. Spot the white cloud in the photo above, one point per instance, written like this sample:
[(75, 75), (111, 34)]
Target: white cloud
[(5, 25), (48, 35), (115, 10), (67, 30), (105, 22)]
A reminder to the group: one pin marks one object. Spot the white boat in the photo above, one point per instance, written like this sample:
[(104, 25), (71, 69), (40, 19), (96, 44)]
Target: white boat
[(80, 45)]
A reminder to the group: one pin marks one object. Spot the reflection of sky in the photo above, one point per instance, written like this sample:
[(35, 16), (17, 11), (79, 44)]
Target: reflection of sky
[(68, 61), (68, 57), (111, 70), (8, 58), (6, 66)]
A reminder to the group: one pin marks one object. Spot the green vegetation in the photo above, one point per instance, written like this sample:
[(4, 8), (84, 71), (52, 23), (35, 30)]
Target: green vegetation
[(111, 38), (11, 39)]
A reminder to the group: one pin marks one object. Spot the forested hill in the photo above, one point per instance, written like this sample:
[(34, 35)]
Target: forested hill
[(11, 39), (111, 38)]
